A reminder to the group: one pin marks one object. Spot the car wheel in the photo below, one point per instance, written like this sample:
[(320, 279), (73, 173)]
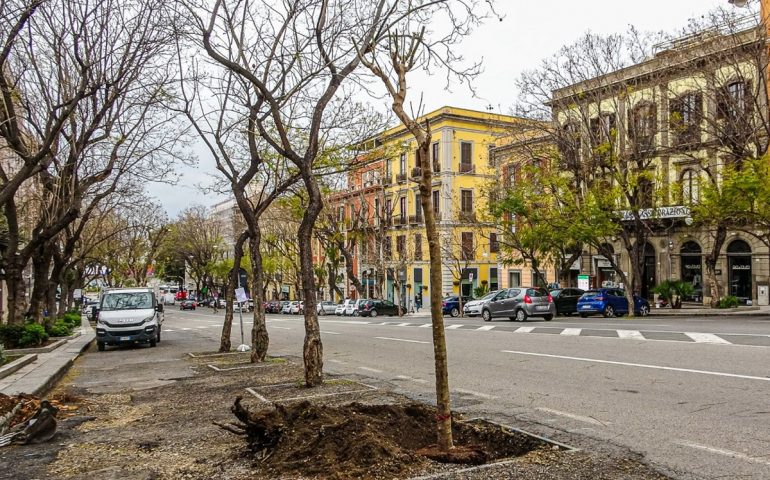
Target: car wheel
[(521, 315), (548, 318), (583, 315), (373, 313), (100, 346), (609, 312), (455, 312), (486, 315), (644, 310)]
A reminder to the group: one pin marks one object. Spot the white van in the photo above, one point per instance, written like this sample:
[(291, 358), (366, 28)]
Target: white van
[(128, 315)]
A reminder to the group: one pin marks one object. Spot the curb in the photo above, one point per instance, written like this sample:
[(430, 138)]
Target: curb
[(61, 371), (17, 364)]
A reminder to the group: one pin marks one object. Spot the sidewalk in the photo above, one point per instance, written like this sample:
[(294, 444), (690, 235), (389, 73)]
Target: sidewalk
[(39, 376), (698, 311)]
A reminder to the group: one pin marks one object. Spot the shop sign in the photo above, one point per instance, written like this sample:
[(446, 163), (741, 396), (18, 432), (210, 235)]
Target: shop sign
[(741, 267), (675, 211)]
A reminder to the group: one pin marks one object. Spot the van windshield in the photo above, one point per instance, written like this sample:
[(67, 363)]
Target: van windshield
[(127, 301)]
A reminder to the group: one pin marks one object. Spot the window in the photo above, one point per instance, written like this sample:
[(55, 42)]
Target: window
[(377, 212), (388, 170), (434, 157), (732, 101), (569, 143), (494, 245), (466, 249), (436, 203), (510, 173), (514, 278), (417, 208), (643, 126), (603, 134), (466, 201), (340, 214), (388, 209), (690, 187), (402, 164), (417, 247), (387, 248), (492, 279), (466, 160), (686, 114), (401, 246), (402, 207), (645, 191)]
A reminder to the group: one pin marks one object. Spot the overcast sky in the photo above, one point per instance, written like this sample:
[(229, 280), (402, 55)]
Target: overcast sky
[(531, 30)]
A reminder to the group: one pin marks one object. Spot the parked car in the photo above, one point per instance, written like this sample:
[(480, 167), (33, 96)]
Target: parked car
[(474, 307), (566, 300), (372, 308), (273, 306), (326, 307), (287, 308), (340, 310), (610, 302), (88, 307), (293, 308), (451, 305), (519, 304), (187, 305), (351, 310)]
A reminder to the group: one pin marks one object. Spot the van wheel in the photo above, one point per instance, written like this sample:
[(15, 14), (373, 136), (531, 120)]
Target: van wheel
[(486, 315), (100, 346), (158, 334), (521, 315), (153, 342)]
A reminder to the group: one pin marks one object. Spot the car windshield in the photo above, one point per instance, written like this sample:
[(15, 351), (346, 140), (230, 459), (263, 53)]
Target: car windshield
[(591, 293), (489, 296), (127, 301)]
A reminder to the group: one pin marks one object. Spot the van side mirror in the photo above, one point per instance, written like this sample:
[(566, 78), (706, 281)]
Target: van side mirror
[(159, 307)]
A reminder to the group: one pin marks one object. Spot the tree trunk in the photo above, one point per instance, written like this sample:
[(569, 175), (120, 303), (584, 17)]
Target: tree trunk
[(443, 406), (41, 265), (259, 337), (227, 328), (714, 293), (312, 352), (17, 289)]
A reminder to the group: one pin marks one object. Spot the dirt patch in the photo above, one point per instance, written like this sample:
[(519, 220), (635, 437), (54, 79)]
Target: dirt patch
[(287, 392), (357, 440)]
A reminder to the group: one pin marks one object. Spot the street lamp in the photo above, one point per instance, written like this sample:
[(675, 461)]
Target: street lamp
[(739, 3)]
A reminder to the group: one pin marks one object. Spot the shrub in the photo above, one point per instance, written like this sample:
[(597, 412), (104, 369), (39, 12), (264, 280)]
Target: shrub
[(729, 301), (674, 291), (2, 354), (10, 335), (72, 319), (60, 329), (34, 334)]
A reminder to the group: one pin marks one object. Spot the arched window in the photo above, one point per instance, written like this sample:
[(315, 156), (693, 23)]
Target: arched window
[(738, 246), (690, 181)]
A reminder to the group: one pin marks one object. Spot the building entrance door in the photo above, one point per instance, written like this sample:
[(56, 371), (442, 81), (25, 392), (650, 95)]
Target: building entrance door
[(648, 272), (739, 269)]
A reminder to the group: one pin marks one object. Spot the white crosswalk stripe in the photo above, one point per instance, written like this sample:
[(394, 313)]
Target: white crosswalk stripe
[(572, 331), (706, 338), (486, 328), (524, 329), (454, 327), (633, 334)]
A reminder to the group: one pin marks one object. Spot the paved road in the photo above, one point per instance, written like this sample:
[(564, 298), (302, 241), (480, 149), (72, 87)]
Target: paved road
[(689, 393)]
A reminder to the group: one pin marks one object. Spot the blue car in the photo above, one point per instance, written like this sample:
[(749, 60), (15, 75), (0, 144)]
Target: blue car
[(610, 302), (451, 305)]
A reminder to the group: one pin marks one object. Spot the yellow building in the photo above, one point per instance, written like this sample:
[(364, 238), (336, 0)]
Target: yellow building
[(461, 142)]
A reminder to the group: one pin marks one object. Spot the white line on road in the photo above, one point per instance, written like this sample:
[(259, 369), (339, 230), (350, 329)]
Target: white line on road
[(579, 418), (475, 393), (485, 328), (370, 369), (707, 338), (426, 325), (641, 365), (401, 340), (282, 328), (165, 330), (350, 322), (403, 324), (334, 360), (524, 330), (331, 333), (722, 451), (454, 327), (186, 329), (632, 334), (572, 331)]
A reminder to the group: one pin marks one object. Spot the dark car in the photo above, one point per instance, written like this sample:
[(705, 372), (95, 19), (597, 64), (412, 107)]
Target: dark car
[(610, 302), (566, 300), (273, 306), (520, 303), (451, 305), (372, 308), (187, 305)]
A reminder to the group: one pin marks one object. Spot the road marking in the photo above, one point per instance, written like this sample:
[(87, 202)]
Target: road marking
[(282, 328), (524, 330), (485, 328), (203, 326), (403, 324), (426, 325), (401, 340), (411, 379), (641, 365), (722, 451), (632, 334), (454, 327), (165, 330), (186, 329), (331, 333), (350, 322), (370, 369), (579, 418), (334, 360), (707, 338), (475, 393), (572, 331)]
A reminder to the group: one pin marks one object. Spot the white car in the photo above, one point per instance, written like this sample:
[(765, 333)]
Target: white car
[(296, 307), (474, 307), (340, 310), (287, 308), (326, 307), (352, 308)]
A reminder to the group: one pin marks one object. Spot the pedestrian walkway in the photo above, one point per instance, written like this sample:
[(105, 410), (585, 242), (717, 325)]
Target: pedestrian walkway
[(39, 376)]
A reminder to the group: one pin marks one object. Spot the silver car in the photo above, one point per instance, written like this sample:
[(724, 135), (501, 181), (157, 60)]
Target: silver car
[(474, 307), (326, 308), (520, 303)]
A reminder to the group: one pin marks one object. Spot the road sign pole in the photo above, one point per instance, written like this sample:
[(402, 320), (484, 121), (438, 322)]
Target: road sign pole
[(242, 347)]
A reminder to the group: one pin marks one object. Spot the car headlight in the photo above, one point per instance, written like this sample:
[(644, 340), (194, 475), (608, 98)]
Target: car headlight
[(149, 319)]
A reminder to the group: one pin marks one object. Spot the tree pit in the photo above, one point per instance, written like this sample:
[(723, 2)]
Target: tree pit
[(357, 440)]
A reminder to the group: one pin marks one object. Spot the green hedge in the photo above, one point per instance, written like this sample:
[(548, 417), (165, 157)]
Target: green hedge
[(60, 329), (729, 301), (22, 336), (2, 354)]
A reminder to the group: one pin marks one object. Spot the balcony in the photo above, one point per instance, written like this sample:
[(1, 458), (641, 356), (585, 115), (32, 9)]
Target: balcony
[(387, 180), (401, 178), (416, 173), (415, 219), (400, 220), (467, 168)]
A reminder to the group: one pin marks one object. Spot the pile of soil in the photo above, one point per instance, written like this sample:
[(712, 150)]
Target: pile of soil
[(373, 441), (30, 405)]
